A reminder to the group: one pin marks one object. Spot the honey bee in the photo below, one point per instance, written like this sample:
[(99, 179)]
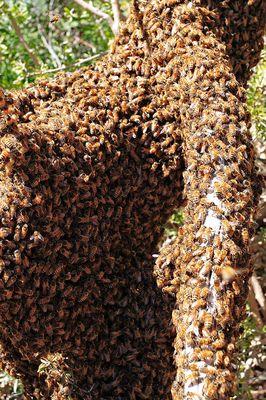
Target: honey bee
[(175, 317), (178, 343), (245, 236), (227, 227), (24, 231), (207, 320), (38, 199), (227, 273), (219, 357), (230, 347), (194, 367), (207, 234), (209, 252), (226, 361), (235, 252), (210, 389), (84, 297), (199, 304), (11, 281), (239, 217), (206, 354), (17, 256), (9, 167), (37, 237), (236, 288), (206, 341), (54, 18), (192, 376), (187, 258), (6, 153), (217, 241), (4, 232)]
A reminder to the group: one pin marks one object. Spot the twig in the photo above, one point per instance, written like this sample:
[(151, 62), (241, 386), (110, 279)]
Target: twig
[(79, 40), (96, 11), (254, 307), (259, 294), (117, 13), (22, 39), (50, 8), (103, 35), (49, 47), (85, 60)]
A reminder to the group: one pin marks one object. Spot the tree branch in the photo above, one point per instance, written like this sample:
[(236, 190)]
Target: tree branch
[(22, 39), (117, 13), (258, 294), (96, 11), (254, 307), (85, 60), (49, 47)]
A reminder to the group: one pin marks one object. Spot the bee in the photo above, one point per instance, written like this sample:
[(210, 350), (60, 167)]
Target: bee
[(11, 281), (236, 288), (178, 343), (226, 361), (199, 304), (210, 389), (219, 357), (54, 18), (206, 341), (230, 347), (194, 367), (217, 241), (220, 255), (38, 199), (118, 192), (227, 227), (17, 256), (6, 153), (175, 317), (227, 273), (4, 232), (195, 196), (206, 269), (209, 252), (216, 155), (206, 354), (239, 217), (207, 320), (235, 252), (37, 237), (9, 167), (193, 376), (207, 234), (187, 257), (245, 236), (24, 231)]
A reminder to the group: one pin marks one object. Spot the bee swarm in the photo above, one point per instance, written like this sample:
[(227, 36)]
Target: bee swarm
[(92, 165)]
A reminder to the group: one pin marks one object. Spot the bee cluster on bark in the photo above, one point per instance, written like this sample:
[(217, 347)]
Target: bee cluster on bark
[(92, 165)]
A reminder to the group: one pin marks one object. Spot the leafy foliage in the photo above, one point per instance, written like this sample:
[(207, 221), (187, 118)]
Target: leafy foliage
[(59, 33), (256, 99), (251, 356)]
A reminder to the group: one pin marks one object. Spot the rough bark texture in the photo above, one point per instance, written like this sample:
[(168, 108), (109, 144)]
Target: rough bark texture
[(92, 165)]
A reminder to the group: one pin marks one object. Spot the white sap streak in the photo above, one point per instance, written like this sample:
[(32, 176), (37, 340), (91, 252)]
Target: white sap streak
[(213, 221)]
